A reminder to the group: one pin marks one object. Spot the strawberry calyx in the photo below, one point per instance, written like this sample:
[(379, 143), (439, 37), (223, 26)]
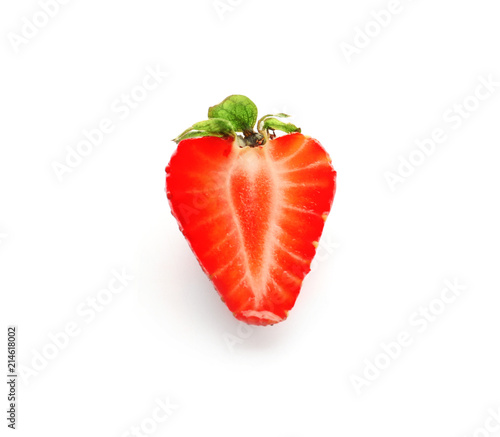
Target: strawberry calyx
[(238, 114)]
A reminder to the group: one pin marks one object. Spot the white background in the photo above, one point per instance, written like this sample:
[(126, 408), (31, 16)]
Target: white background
[(385, 253)]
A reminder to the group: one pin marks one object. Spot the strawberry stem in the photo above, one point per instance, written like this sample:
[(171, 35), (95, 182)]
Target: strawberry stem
[(238, 113), (254, 139)]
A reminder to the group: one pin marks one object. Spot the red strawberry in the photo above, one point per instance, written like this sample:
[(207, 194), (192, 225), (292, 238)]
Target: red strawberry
[(252, 208)]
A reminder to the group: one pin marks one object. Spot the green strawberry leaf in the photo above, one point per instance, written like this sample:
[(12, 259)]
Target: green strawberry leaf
[(269, 122), (280, 115), (215, 127), (260, 123), (239, 110)]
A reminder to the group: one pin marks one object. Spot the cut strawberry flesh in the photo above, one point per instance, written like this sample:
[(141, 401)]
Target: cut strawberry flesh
[(253, 217)]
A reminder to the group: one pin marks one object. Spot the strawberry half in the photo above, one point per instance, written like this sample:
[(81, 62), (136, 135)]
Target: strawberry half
[(252, 208)]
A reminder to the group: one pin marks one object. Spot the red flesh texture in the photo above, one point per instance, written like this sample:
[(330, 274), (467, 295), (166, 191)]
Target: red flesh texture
[(253, 217)]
